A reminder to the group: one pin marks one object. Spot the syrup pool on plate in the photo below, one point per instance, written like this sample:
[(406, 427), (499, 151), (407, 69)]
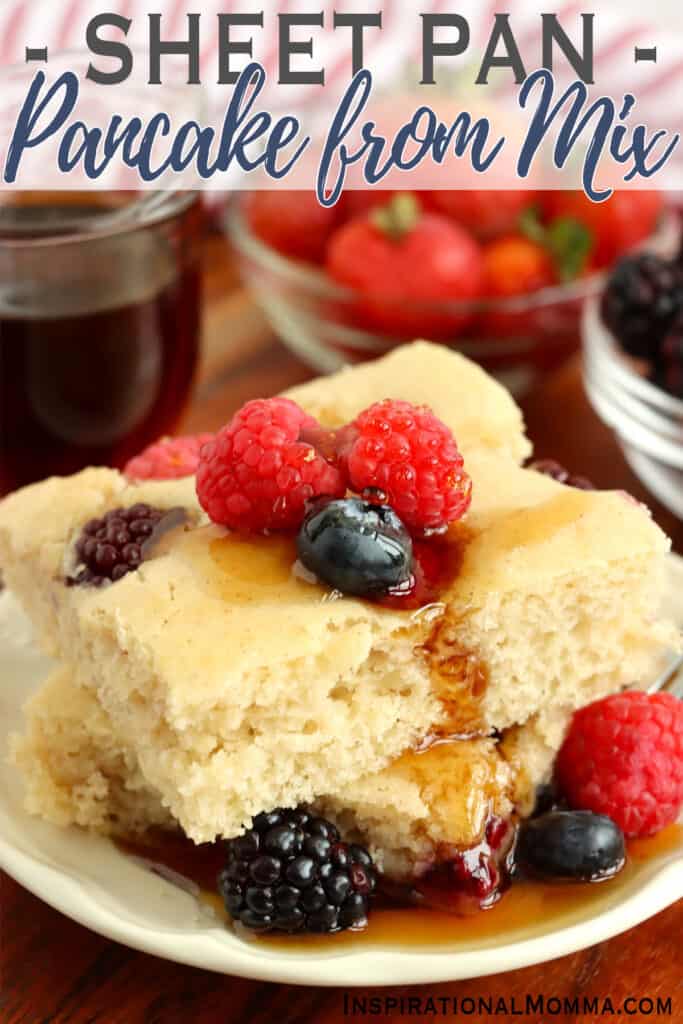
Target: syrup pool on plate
[(528, 908)]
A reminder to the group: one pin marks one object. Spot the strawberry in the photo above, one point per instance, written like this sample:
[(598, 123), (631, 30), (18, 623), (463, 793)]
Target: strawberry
[(294, 223), (406, 266), (616, 225), (514, 266), (485, 214)]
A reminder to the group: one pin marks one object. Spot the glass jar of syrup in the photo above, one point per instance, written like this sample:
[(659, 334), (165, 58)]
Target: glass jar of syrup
[(99, 329)]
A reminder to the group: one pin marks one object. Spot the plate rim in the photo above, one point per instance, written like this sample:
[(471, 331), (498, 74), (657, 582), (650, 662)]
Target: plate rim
[(347, 968)]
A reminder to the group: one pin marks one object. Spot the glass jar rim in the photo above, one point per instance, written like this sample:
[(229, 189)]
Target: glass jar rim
[(84, 228), (180, 100)]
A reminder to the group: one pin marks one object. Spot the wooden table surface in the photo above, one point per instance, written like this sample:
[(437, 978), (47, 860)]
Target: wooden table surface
[(53, 970)]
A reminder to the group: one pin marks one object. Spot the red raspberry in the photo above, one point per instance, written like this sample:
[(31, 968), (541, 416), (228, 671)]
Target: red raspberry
[(623, 756), (261, 469), (167, 459), (409, 455)]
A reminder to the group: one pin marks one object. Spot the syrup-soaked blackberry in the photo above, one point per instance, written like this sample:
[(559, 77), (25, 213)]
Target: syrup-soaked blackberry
[(462, 881)]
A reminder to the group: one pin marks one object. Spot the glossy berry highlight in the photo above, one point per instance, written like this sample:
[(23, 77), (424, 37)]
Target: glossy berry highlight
[(290, 872), (356, 547)]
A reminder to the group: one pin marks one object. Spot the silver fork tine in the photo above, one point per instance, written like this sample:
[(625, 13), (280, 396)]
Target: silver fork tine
[(671, 679)]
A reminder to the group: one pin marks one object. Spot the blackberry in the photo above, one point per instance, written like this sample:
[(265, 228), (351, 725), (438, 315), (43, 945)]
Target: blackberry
[(642, 299), (290, 872), (553, 469), (667, 372), (110, 547)]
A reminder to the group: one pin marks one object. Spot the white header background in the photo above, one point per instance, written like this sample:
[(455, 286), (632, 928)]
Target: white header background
[(392, 54)]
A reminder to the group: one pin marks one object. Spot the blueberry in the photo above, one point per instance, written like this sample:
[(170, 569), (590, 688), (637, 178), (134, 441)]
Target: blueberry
[(576, 845), (356, 547)]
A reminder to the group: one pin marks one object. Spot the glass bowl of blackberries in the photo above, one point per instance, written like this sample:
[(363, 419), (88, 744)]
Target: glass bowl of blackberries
[(500, 276), (633, 367)]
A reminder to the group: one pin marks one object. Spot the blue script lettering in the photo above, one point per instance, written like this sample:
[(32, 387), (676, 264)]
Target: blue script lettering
[(423, 137), (248, 138), (574, 127), (23, 137), (599, 118), (351, 107)]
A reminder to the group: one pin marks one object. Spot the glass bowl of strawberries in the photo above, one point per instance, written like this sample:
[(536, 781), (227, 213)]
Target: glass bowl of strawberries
[(501, 276)]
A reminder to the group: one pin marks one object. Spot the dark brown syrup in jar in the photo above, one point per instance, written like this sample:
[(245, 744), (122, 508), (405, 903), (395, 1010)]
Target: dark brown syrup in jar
[(98, 337)]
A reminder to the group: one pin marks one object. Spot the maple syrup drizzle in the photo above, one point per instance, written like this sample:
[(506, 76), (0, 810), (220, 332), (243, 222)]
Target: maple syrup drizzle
[(527, 909), (240, 570)]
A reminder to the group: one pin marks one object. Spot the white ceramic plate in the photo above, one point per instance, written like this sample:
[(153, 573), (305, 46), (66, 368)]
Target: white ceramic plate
[(89, 879)]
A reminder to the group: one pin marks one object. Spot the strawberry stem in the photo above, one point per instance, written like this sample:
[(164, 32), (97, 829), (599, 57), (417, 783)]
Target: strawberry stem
[(398, 217), (567, 240)]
